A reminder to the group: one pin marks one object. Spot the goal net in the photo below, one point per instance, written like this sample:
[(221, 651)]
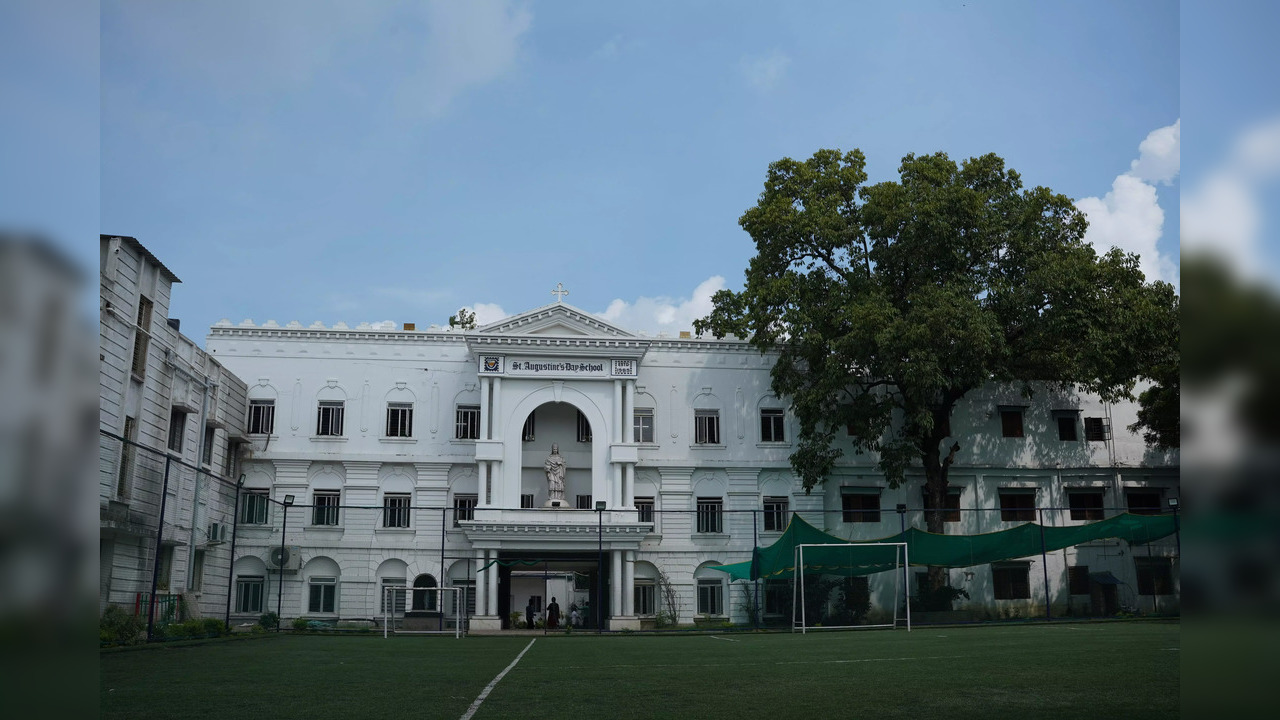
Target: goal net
[(849, 585), (433, 611)]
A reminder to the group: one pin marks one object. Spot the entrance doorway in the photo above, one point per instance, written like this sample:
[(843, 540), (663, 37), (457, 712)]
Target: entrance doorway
[(574, 579)]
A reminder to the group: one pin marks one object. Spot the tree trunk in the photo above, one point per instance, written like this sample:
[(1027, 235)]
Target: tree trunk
[(935, 490)]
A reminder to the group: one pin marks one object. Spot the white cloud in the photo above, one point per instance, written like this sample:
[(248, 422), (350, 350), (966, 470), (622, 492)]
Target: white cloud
[(468, 44), (664, 314), (1129, 216), (1159, 155), (487, 313), (386, 325), (764, 72)]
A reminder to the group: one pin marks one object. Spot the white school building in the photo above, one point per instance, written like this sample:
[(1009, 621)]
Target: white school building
[(416, 457)]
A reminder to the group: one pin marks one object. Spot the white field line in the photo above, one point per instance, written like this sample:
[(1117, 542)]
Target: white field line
[(789, 662), (489, 688), (713, 637)]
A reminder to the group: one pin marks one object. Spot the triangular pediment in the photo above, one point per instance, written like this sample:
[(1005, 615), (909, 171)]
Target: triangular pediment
[(555, 320)]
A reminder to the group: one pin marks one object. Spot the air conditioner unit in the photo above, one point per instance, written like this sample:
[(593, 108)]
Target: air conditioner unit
[(287, 558), (217, 533)]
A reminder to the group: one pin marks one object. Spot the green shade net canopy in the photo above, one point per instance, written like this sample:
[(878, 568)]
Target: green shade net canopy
[(778, 560)]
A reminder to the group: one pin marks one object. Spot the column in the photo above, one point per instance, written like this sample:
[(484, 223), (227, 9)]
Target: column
[(629, 583), (493, 584), (615, 590), (617, 409), (485, 415), (482, 485), (628, 411), (615, 485), (482, 583), (629, 485), (496, 433)]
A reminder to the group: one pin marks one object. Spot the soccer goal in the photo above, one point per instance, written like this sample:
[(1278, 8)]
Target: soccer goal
[(831, 585), (395, 613)]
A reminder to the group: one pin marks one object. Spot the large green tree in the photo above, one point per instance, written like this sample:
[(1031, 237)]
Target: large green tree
[(889, 303)]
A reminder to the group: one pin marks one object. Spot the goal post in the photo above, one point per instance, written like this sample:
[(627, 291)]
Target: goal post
[(846, 561), (395, 609)]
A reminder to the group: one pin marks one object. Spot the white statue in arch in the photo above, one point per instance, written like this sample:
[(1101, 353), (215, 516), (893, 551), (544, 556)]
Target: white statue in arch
[(555, 467)]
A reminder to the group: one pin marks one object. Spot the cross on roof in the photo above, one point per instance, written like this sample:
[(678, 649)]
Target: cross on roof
[(559, 292)]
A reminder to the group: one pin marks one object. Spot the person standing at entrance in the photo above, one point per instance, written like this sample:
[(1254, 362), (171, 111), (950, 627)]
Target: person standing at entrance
[(528, 614), (553, 614)]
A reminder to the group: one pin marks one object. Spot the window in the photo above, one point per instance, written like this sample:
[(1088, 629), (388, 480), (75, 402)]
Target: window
[(399, 420), (1067, 422), (397, 596), (262, 417), (424, 593), (860, 505), (771, 425), (467, 426), (177, 428), (464, 508), (141, 338), (528, 431), (325, 507), (644, 509), (206, 450), (197, 571), (584, 428), (526, 501), (1144, 502), (395, 510), (1155, 575), (642, 425), (166, 568), (468, 588), (249, 594), (1078, 580), (1011, 580), (706, 427), (1085, 504), (1011, 422), (329, 418), (950, 505), (775, 514), (1097, 429), (710, 597), (1017, 505), (645, 598), (128, 455), (253, 507), (584, 503), (710, 514), (322, 595), (229, 460)]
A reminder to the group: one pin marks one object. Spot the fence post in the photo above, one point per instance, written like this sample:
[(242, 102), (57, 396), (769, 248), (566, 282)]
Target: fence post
[(231, 562), (155, 568), (1044, 563), (755, 542)]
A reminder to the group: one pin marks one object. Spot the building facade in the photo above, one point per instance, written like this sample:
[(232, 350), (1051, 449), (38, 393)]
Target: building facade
[(422, 458)]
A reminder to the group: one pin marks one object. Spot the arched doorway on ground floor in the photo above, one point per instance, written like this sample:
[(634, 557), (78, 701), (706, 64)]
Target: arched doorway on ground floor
[(579, 579)]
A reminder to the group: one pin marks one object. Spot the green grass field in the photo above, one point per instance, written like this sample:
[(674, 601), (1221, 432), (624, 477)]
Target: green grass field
[(1112, 669)]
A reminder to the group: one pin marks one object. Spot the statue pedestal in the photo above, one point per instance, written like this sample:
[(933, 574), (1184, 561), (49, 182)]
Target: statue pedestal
[(623, 622), (556, 504), (486, 623)]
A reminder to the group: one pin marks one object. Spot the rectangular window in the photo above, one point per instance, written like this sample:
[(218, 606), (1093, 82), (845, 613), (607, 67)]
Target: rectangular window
[(584, 428), (644, 509), (469, 592), (128, 456), (527, 433), (464, 508), (1078, 580), (325, 507), (397, 597), (860, 505), (1155, 575), (262, 417), (706, 427), (253, 507), (1143, 502), (249, 594), (584, 502), (1067, 424), (197, 571), (526, 501), (467, 426), (1017, 505), (1085, 504), (645, 598), (329, 418), (399, 420), (322, 595), (166, 568), (1011, 580), (395, 510), (206, 450), (950, 508), (775, 514), (229, 460), (1097, 429), (710, 514), (177, 429), (1011, 422), (771, 425), (141, 338), (642, 425), (710, 597)]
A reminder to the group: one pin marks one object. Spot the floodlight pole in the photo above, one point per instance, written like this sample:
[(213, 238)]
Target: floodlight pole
[(906, 589), (599, 565), (231, 575), (755, 543), (1044, 564), (284, 528)]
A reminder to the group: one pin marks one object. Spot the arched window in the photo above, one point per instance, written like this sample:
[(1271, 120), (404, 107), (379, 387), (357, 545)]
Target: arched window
[(423, 600)]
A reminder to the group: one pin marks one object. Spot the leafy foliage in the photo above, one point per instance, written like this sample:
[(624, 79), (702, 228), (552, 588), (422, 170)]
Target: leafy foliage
[(119, 626), (464, 320)]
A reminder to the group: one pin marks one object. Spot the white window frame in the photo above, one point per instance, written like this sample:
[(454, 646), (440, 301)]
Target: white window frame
[(262, 417), (464, 507), (248, 589), (396, 510), (584, 428), (710, 514), (141, 338), (776, 508), (322, 584), (645, 597), (255, 507), (706, 427), (323, 512), (644, 509), (177, 429), (207, 442), (529, 431), (401, 596), (399, 420), (774, 420), (329, 416), (710, 597), (642, 425), (466, 424)]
